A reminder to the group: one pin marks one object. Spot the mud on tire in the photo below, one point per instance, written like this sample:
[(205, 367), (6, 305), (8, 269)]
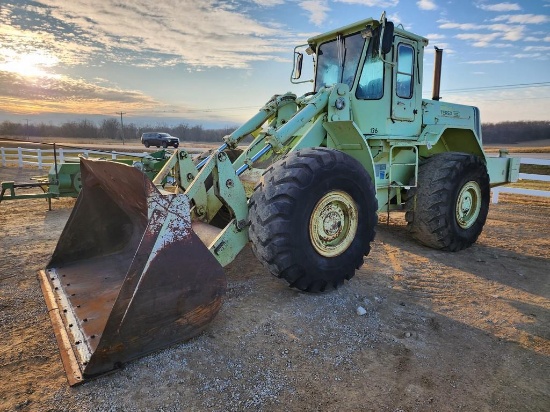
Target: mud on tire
[(312, 217), (448, 208)]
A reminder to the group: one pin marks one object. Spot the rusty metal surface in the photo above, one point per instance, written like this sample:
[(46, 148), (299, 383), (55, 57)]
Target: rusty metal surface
[(125, 285), (74, 374)]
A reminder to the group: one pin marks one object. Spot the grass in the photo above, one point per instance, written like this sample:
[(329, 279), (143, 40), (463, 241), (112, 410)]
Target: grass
[(525, 149), (535, 169), (531, 184)]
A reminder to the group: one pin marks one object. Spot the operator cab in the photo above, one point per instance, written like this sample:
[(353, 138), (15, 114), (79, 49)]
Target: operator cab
[(382, 66)]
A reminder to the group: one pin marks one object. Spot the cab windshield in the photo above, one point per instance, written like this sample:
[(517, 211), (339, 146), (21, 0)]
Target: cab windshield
[(337, 61)]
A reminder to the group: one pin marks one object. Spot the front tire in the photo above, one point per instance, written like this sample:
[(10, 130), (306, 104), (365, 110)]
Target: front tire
[(313, 217), (449, 207), (146, 144)]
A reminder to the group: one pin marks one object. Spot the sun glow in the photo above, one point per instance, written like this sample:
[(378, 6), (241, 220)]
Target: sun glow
[(33, 64)]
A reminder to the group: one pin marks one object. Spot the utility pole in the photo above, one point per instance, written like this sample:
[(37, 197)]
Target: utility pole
[(121, 125), (27, 129)]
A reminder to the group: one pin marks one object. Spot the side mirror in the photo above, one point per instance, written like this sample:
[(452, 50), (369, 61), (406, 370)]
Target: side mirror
[(387, 37), (298, 60)]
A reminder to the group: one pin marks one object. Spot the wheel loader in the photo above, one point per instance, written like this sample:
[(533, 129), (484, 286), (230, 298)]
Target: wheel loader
[(138, 268)]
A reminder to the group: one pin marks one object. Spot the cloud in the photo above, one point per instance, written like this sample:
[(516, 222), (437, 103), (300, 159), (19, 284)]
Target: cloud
[(372, 3), (531, 56), (485, 62), (508, 32), (317, 9), (537, 48), (63, 94), (537, 39), (459, 26), (523, 18), (435, 36), (209, 33), (426, 4), (500, 7), (478, 39), (66, 50), (486, 39), (269, 3)]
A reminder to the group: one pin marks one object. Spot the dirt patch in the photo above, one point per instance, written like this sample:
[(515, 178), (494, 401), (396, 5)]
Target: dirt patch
[(442, 331)]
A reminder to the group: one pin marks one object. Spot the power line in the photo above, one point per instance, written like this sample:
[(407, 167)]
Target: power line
[(498, 87), (523, 98), (218, 109)]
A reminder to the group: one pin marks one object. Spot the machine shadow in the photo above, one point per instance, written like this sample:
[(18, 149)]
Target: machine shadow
[(491, 263)]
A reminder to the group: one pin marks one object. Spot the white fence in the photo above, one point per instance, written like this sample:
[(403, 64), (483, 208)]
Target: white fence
[(525, 176), (39, 158)]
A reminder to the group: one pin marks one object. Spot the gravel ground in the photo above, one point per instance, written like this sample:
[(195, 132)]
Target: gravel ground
[(441, 331)]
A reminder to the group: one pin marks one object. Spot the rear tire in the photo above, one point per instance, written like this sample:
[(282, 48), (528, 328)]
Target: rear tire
[(313, 217), (449, 207), (164, 145), (146, 144)]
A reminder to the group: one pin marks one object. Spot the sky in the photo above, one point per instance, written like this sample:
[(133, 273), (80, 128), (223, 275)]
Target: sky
[(216, 62)]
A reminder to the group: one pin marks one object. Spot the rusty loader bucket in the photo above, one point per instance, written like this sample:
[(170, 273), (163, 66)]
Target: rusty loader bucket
[(129, 275)]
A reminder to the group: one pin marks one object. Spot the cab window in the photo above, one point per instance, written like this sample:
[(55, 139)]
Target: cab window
[(405, 67), (371, 82), (337, 61)]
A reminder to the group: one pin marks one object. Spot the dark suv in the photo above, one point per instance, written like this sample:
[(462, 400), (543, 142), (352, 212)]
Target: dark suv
[(159, 139)]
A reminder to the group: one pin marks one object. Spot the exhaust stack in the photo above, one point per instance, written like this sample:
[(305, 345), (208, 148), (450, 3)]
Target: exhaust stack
[(437, 73)]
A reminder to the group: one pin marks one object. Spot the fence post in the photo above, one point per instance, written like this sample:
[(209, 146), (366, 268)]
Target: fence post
[(494, 198), (39, 157), (3, 156), (61, 156), (113, 155), (19, 157)]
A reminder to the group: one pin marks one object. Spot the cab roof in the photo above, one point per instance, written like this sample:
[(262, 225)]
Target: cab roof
[(358, 26)]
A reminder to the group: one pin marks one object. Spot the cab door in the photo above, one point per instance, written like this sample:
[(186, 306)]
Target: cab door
[(404, 98)]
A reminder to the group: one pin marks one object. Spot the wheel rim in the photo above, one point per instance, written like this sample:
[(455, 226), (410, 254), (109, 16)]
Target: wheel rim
[(468, 205), (333, 224)]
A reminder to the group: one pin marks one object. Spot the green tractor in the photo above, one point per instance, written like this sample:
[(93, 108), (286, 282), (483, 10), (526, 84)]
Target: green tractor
[(138, 268), (64, 179)]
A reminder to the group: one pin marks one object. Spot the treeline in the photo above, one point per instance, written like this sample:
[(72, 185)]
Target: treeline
[(505, 132), (515, 132), (110, 129)]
